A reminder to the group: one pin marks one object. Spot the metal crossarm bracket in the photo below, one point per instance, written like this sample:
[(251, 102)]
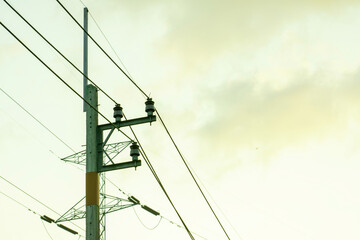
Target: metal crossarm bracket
[(111, 150), (116, 166), (78, 158), (112, 204), (126, 123)]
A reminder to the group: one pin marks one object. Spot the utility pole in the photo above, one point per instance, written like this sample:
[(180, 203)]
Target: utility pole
[(92, 174), (96, 149), (95, 152)]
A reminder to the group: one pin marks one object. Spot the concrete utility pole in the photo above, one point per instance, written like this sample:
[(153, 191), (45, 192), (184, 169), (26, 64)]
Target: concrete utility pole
[(95, 149), (92, 174)]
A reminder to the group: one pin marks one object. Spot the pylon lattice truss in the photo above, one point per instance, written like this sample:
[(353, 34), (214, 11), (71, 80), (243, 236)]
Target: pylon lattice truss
[(112, 204), (110, 150), (108, 203)]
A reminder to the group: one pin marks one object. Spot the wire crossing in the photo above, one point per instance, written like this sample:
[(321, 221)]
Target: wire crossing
[(162, 122), (62, 80), (143, 154), (96, 43), (127, 75), (62, 55), (74, 166)]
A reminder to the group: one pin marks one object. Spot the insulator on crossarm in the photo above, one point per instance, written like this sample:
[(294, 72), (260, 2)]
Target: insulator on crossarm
[(149, 107), (118, 114), (134, 151), (150, 210)]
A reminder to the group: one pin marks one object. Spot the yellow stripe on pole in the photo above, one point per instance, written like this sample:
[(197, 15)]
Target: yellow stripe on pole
[(92, 188)]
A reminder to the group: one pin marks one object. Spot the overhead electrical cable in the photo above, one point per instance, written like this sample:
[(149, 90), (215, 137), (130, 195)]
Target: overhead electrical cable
[(71, 148), (38, 140), (172, 140), (35, 199), (144, 155), (218, 207), (34, 212), (149, 228), (78, 168), (37, 120), (46, 230), (14, 200), (147, 161), (28, 195), (192, 175), (62, 55), (130, 78), (62, 80), (48, 42), (97, 44), (107, 40), (163, 217)]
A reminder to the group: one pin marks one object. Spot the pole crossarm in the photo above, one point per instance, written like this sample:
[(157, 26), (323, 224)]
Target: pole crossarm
[(112, 150), (117, 166), (127, 123), (113, 204)]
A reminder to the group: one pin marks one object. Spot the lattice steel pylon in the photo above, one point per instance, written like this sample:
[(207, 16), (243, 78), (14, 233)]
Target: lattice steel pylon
[(107, 203)]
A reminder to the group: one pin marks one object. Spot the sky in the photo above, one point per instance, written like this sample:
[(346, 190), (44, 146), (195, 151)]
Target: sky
[(260, 96)]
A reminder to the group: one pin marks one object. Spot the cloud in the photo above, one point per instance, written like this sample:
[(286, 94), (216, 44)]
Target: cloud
[(201, 30), (258, 126)]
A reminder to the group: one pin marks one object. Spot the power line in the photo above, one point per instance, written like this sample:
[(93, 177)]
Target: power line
[(96, 43), (203, 185), (143, 154), (143, 151), (37, 120), (128, 75), (27, 194), (48, 42), (45, 146), (182, 157), (161, 216), (62, 80), (149, 228), (59, 158), (20, 203), (71, 148), (29, 209), (46, 230), (186, 164), (108, 42)]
